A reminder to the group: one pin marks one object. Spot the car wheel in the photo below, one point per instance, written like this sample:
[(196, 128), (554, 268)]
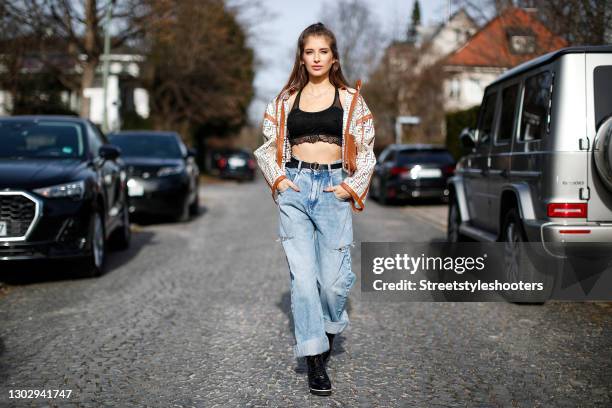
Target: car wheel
[(382, 195), (454, 222), (518, 264), (94, 263), (194, 208), (183, 216), (122, 236)]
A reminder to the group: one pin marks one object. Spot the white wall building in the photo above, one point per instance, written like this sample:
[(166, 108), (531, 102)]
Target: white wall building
[(513, 37), (123, 92)]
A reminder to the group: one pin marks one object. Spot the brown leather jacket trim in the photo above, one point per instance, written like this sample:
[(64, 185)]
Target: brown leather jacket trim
[(364, 118), (280, 132), (354, 196), (350, 147), (269, 117), (278, 180)]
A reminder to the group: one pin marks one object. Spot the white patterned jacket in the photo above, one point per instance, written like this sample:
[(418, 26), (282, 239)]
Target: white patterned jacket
[(358, 157)]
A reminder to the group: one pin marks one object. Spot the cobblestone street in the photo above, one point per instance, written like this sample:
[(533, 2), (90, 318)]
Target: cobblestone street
[(198, 315)]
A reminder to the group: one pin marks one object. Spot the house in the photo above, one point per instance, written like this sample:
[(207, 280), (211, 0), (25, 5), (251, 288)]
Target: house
[(437, 41), (403, 67), (513, 37), (124, 90)]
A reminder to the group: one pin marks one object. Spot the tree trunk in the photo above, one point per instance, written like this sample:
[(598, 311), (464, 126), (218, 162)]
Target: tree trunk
[(87, 81)]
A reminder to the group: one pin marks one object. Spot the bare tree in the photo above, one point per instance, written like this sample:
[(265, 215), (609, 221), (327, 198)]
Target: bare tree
[(77, 27), (360, 39), (199, 69), (579, 22), (398, 88)]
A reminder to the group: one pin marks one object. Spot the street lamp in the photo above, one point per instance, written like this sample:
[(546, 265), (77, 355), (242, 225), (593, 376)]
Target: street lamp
[(106, 64)]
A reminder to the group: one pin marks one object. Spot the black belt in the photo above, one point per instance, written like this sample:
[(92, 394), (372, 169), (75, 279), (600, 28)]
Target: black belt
[(313, 166)]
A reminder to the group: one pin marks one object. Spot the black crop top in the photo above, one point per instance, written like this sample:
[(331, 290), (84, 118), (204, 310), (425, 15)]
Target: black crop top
[(311, 127)]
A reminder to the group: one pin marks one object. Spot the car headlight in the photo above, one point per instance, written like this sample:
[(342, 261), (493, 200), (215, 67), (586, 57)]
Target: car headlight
[(75, 189), (170, 170)]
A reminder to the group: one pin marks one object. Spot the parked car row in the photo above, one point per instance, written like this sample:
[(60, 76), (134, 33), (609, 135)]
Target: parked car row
[(67, 192)]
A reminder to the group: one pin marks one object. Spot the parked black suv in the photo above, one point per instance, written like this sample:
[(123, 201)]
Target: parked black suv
[(410, 171), (63, 191)]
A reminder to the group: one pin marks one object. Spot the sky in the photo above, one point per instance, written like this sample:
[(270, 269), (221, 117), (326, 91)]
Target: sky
[(277, 37)]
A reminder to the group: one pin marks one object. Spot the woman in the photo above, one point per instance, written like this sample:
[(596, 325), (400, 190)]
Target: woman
[(317, 173)]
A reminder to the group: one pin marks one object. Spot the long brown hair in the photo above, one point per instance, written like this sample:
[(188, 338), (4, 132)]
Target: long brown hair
[(299, 75)]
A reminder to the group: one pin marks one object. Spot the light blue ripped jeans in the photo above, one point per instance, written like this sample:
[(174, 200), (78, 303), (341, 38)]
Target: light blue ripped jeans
[(316, 231)]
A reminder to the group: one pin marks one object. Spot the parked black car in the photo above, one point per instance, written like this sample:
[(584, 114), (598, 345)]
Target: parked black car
[(410, 171), (63, 191), (163, 177), (236, 164)]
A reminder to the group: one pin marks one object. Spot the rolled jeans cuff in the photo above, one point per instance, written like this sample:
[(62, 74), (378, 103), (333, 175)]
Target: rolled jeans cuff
[(337, 327), (311, 347)]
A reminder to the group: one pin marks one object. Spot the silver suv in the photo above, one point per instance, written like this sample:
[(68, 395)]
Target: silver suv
[(539, 166)]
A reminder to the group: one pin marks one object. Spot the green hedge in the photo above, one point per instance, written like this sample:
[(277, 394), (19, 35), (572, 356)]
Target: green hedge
[(455, 122)]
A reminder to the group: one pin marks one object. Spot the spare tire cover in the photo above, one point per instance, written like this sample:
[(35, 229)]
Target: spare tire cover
[(602, 150)]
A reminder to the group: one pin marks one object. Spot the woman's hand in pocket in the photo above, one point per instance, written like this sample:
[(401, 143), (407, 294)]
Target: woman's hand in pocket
[(339, 192), (285, 184)]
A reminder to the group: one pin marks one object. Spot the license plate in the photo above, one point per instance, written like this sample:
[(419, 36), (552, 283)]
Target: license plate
[(135, 189), (425, 173), (3, 229), (236, 162)]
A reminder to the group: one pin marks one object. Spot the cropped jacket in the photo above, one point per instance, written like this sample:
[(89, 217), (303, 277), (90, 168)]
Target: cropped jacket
[(358, 157)]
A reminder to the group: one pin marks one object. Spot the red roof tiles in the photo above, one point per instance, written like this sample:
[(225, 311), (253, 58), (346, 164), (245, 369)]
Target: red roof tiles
[(490, 46)]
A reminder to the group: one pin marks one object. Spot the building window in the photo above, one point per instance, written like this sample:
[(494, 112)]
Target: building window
[(454, 89), (521, 41), (522, 44)]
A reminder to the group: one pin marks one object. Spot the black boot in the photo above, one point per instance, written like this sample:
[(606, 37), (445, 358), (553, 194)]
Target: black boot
[(327, 353), (318, 381)]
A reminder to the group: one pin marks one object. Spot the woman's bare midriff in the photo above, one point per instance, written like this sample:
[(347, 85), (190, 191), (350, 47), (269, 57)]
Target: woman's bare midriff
[(318, 152)]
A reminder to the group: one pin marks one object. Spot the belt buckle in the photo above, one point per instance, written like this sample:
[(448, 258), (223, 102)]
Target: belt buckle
[(314, 166)]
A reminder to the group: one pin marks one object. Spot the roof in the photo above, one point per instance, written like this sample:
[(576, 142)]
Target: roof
[(490, 46), (551, 56)]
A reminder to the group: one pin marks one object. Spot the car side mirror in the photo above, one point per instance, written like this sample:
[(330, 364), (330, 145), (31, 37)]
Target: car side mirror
[(191, 152), (468, 138), (109, 152)]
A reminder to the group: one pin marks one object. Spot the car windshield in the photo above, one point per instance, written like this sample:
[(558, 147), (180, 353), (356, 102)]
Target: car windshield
[(158, 146), (424, 156), (41, 139)]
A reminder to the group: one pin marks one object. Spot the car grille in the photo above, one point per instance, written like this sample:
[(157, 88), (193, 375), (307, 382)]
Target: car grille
[(18, 212), (142, 171)]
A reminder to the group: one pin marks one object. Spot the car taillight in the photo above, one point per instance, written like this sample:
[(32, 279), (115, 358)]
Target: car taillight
[(222, 162), (251, 164), (397, 170), (567, 210), (449, 169)]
